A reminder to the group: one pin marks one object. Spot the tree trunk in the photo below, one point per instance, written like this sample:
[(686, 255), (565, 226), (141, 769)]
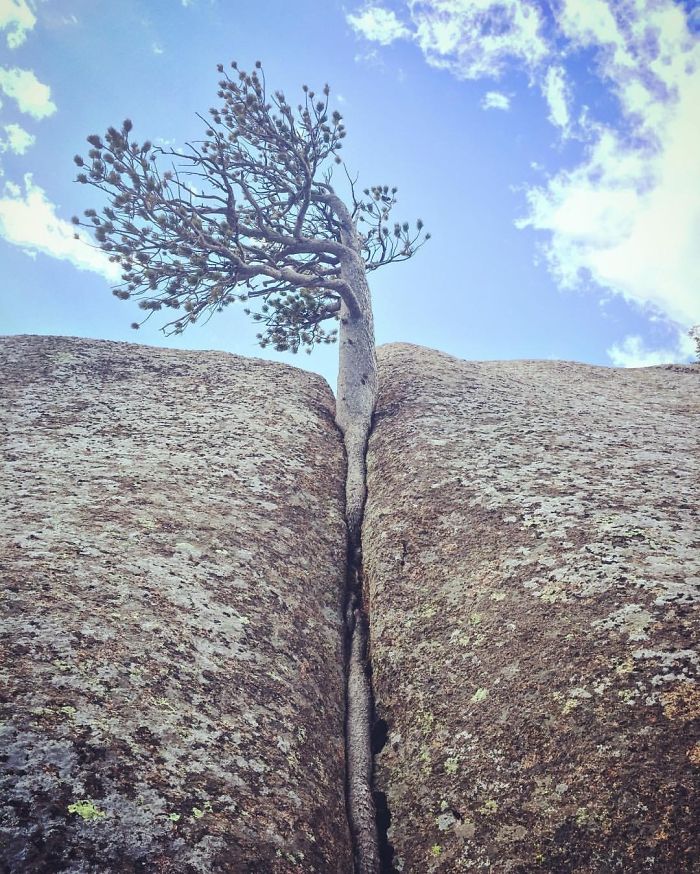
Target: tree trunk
[(356, 396), (361, 809), (357, 385)]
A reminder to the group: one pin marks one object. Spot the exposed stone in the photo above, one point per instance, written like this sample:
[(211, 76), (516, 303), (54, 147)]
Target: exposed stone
[(532, 557), (173, 563)]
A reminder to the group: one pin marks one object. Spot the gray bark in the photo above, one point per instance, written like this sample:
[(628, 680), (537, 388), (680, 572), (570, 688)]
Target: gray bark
[(359, 751), (356, 396), (357, 373)]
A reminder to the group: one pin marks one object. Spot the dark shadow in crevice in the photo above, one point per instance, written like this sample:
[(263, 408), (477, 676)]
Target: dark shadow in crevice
[(386, 850), (380, 738), (380, 735)]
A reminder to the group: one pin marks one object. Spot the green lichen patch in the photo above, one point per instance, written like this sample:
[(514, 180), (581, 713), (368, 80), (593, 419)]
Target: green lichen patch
[(86, 810)]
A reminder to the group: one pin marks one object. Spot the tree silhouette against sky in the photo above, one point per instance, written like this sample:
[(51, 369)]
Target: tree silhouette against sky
[(249, 214)]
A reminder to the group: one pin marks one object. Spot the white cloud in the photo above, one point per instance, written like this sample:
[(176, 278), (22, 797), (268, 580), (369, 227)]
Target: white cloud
[(32, 96), (379, 25), (495, 100), (29, 220), (632, 352), (555, 89), (157, 48), (629, 214), (642, 50), (370, 58), (17, 17), (17, 140), (480, 37)]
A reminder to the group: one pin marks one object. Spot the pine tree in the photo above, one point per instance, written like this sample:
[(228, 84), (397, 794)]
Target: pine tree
[(249, 214), (694, 334)]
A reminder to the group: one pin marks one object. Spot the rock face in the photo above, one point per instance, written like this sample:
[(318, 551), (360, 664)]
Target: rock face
[(532, 557), (173, 561)]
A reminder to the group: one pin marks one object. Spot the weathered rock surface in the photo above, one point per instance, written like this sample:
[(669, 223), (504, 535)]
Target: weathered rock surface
[(532, 553), (173, 560)]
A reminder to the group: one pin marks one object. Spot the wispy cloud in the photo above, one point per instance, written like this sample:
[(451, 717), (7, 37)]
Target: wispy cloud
[(632, 352), (627, 214), (480, 38), (32, 96), (17, 18), (495, 100), (28, 220), (556, 91), (370, 58), (379, 25), (157, 48), (16, 139)]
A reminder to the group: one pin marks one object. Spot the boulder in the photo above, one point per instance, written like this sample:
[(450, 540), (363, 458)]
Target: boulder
[(531, 549), (173, 563)]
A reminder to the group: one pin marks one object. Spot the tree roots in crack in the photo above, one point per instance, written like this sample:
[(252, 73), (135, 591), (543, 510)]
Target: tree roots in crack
[(361, 810)]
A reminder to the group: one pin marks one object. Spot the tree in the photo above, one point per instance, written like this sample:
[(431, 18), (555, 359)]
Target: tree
[(694, 334), (249, 213)]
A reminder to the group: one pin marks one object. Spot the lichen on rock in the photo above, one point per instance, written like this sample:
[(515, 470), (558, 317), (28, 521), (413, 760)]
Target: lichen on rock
[(173, 570), (532, 565)]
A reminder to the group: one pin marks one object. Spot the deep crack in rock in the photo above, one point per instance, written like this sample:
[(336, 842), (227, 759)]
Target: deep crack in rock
[(358, 725)]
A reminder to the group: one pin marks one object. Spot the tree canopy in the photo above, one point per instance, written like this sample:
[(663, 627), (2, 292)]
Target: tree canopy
[(247, 213)]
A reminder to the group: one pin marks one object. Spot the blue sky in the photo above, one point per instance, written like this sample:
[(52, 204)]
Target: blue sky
[(550, 147)]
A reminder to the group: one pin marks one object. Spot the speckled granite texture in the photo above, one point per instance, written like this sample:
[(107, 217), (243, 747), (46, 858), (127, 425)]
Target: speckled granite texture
[(532, 555), (173, 559)]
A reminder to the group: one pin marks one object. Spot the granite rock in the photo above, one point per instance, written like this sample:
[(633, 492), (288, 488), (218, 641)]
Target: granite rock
[(531, 548), (173, 563)]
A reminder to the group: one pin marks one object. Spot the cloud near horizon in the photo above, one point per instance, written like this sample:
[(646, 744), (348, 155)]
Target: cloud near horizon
[(632, 352), (627, 214), (28, 220)]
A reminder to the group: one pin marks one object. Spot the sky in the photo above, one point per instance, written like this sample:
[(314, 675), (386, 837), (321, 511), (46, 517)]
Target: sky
[(551, 147)]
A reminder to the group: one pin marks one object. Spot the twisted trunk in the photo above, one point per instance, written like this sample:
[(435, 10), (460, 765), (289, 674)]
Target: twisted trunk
[(361, 809), (356, 396), (357, 392), (357, 370)]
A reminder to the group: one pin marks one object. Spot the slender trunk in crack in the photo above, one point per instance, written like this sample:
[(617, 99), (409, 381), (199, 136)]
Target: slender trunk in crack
[(357, 391), (362, 813)]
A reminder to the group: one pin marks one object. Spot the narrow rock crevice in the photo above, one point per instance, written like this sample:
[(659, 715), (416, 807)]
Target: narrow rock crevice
[(358, 725), (365, 735), (386, 850), (380, 738)]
